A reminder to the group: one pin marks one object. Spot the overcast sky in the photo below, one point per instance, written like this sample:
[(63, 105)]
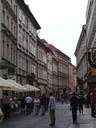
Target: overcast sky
[(61, 22)]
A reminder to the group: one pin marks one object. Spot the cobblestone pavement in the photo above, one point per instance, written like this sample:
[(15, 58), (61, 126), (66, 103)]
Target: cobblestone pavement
[(63, 119)]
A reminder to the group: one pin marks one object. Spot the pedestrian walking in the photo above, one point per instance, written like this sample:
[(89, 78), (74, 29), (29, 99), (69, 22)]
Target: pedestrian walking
[(37, 105), (6, 103), (43, 104), (74, 104), (23, 103), (80, 102), (28, 100), (52, 107)]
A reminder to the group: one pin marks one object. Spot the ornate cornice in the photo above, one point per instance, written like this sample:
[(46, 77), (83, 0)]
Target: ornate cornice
[(6, 4), (6, 31)]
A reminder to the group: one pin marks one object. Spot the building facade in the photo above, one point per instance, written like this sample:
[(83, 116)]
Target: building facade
[(8, 41), (63, 70), (81, 60), (86, 50), (27, 27), (91, 43), (72, 78), (42, 66), (55, 81)]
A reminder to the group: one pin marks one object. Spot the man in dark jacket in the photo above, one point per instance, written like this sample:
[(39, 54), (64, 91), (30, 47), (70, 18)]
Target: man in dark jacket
[(74, 105), (43, 104)]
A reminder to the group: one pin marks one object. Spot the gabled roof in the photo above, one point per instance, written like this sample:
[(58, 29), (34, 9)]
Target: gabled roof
[(53, 48), (44, 41)]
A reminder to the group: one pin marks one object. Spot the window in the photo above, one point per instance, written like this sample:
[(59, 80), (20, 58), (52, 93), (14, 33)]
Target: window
[(8, 51), (30, 26), (8, 22), (44, 59), (20, 61), (14, 31), (32, 29), (3, 48), (20, 36), (11, 53), (4, 17), (34, 69), (27, 44), (32, 49), (14, 56), (11, 3), (34, 32), (19, 14), (23, 38), (27, 23), (23, 60), (26, 65), (23, 19)]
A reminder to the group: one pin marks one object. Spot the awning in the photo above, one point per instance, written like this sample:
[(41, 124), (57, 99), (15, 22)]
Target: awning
[(5, 85), (17, 85), (31, 88)]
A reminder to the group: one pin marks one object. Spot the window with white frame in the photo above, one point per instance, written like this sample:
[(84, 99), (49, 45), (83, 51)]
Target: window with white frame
[(30, 26), (23, 39), (20, 13), (44, 59), (20, 37), (23, 19)]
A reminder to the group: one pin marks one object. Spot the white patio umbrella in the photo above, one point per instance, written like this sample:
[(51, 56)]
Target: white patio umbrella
[(21, 88), (4, 85), (31, 88)]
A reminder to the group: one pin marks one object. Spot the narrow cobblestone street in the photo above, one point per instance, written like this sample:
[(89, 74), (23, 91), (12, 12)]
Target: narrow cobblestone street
[(63, 119)]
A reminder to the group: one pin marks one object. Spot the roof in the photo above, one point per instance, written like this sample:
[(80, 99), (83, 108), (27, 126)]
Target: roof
[(29, 13), (53, 48)]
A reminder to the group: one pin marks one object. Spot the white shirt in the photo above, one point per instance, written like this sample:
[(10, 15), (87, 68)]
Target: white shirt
[(52, 103), (28, 99), (36, 101)]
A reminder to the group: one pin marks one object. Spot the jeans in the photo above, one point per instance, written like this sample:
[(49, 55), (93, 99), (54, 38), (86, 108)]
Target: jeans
[(28, 108), (36, 107)]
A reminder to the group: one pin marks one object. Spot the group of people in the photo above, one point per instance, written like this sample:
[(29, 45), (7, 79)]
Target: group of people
[(30, 103), (27, 104)]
